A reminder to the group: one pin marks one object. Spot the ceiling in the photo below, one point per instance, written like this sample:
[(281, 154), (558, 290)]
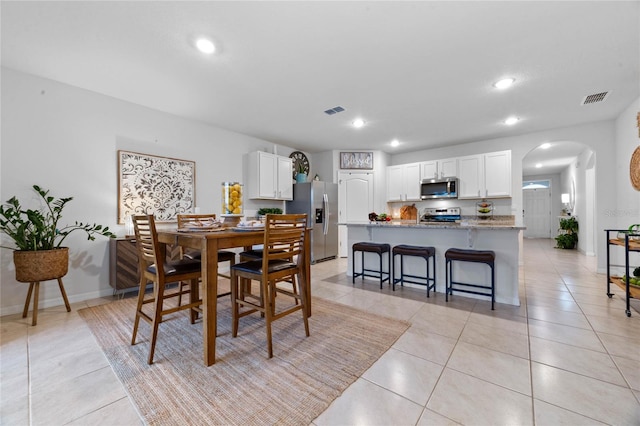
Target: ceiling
[(419, 72)]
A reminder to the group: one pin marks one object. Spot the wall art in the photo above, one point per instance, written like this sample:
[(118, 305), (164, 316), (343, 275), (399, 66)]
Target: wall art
[(356, 160), (148, 184)]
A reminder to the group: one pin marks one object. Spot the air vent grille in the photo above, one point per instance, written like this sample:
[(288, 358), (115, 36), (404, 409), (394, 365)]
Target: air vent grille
[(596, 97), (334, 110)]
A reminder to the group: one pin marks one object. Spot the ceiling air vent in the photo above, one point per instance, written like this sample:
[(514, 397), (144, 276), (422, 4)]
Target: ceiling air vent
[(334, 110), (596, 97)]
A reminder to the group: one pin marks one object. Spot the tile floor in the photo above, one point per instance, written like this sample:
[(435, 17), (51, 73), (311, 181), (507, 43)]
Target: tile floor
[(568, 355)]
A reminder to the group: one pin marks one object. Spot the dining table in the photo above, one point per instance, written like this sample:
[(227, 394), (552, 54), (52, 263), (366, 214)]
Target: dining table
[(209, 242)]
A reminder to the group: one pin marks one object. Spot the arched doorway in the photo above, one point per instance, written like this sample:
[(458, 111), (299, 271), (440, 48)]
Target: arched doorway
[(569, 169)]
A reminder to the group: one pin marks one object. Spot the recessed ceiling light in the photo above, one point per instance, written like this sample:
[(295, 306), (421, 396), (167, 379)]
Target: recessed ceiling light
[(205, 46), (504, 83), (511, 121), (395, 143), (357, 123), (545, 145), (538, 165)]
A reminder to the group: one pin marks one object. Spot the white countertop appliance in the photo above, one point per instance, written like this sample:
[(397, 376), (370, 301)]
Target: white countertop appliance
[(448, 214)]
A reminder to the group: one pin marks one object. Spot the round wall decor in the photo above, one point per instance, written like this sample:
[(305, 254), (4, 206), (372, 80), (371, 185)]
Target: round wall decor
[(634, 169), (300, 163)]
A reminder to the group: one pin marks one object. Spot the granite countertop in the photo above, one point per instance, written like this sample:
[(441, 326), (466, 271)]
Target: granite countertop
[(498, 222)]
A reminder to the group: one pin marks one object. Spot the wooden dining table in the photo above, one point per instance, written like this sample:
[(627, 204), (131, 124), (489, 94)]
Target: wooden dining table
[(209, 242)]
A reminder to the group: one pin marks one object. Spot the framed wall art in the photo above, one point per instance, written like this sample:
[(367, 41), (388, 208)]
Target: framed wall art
[(148, 184), (356, 160)]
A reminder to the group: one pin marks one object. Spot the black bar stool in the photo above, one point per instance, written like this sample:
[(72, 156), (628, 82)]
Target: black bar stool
[(369, 247), (419, 251), (464, 255)]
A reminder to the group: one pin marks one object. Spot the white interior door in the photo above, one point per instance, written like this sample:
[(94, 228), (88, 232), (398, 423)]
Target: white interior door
[(537, 213), (355, 202)]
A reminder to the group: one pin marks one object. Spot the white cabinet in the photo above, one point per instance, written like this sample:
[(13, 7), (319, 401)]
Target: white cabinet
[(497, 174), (439, 169), (269, 176), (485, 175), (403, 182)]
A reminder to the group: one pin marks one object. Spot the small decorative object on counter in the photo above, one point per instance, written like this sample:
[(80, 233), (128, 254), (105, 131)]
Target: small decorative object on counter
[(409, 212), (232, 198), (484, 209), (375, 217)]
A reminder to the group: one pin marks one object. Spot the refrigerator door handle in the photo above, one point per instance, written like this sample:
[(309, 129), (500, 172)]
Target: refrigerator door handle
[(325, 210)]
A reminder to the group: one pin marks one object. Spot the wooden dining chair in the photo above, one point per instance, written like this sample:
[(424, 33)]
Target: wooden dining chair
[(186, 220), (282, 260), (183, 270)]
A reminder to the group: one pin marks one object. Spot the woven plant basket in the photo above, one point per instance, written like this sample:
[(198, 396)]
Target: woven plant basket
[(41, 265)]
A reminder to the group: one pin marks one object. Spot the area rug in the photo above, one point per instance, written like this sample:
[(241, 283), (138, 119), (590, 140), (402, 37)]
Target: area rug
[(243, 387)]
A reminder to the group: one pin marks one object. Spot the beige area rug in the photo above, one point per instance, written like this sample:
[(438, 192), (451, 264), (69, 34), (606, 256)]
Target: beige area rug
[(244, 387)]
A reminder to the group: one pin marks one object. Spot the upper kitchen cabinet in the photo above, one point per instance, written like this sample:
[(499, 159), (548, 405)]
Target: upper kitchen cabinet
[(269, 176), (485, 175), (439, 169), (403, 182)]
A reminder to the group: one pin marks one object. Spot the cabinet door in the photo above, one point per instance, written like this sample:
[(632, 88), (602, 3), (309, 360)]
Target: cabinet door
[(267, 183), (285, 181), (471, 177), (411, 179), (429, 170), (497, 171), (448, 168), (395, 183)]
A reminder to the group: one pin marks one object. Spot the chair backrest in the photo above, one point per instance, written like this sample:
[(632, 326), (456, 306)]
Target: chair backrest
[(284, 236), (185, 220), (146, 240)]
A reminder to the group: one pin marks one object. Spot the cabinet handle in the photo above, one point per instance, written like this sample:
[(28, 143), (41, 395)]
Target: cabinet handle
[(478, 192), (486, 192)]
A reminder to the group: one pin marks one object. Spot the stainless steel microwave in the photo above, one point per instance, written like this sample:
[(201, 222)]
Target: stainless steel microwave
[(438, 188)]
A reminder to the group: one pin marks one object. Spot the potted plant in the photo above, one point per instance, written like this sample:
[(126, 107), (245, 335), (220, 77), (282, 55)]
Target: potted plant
[(301, 176), (263, 211), (568, 238), (38, 253)]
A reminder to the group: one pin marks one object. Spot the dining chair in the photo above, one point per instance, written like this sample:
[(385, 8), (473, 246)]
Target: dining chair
[(183, 270), (282, 260), (186, 220)]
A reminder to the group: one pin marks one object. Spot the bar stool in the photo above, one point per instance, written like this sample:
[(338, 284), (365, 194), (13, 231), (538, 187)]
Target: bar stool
[(418, 251), (369, 247), (477, 256)]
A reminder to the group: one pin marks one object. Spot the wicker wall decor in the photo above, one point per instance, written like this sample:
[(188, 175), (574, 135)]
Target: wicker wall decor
[(634, 169), (147, 184)]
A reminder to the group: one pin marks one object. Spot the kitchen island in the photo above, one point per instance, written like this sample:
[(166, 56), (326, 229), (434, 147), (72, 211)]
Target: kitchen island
[(500, 236)]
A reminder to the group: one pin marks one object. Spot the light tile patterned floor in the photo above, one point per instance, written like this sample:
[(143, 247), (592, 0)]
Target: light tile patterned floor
[(568, 355)]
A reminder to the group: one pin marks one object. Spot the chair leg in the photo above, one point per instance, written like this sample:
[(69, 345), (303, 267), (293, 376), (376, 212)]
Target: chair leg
[(26, 303), (193, 297), (268, 312), (64, 295), (136, 321), (157, 318), (303, 298), (235, 289)]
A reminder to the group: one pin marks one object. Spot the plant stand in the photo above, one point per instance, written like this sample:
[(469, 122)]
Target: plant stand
[(36, 266), (36, 285)]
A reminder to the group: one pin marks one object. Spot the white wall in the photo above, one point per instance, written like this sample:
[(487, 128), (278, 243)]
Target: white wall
[(626, 211), (66, 139)]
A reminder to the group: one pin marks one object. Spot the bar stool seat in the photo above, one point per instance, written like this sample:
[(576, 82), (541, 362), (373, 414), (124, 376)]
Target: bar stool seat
[(371, 247), (467, 255), (418, 251)]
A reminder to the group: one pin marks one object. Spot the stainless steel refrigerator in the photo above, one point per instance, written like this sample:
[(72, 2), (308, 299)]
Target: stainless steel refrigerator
[(319, 200)]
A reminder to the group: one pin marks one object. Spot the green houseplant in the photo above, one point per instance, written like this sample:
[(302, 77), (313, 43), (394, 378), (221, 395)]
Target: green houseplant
[(568, 237), (38, 253), (33, 230)]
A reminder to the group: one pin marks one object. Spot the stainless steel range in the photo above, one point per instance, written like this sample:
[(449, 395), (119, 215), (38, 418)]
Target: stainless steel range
[(449, 214)]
